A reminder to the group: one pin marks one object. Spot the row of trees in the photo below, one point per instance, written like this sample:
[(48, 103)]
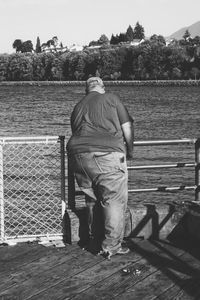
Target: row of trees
[(149, 61), (27, 46), (128, 36)]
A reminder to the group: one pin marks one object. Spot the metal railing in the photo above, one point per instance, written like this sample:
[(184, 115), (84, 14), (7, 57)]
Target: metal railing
[(73, 192), (32, 184), (32, 188)]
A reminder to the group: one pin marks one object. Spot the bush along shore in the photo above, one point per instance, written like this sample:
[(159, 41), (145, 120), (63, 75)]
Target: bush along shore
[(108, 83)]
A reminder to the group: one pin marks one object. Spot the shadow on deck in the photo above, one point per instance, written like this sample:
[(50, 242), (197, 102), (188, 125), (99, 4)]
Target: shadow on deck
[(153, 269), (164, 261)]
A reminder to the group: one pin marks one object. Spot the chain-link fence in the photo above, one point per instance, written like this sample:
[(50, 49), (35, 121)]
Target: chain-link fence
[(31, 190)]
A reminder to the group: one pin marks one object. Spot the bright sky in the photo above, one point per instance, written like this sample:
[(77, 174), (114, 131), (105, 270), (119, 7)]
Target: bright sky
[(81, 21)]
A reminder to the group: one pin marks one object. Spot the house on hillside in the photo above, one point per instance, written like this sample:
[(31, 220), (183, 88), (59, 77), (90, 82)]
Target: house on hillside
[(75, 48), (52, 49), (94, 47), (136, 42), (53, 45)]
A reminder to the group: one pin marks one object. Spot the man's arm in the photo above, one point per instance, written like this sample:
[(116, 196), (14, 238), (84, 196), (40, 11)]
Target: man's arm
[(128, 131)]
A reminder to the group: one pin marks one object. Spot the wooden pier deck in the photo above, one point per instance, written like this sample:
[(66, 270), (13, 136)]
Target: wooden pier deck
[(153, 269)]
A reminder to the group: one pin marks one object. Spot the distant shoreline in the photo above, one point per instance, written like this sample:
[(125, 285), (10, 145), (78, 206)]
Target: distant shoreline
[(109, 83)]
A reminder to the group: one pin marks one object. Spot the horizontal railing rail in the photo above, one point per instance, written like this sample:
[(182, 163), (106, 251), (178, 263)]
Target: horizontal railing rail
[(176, 165), (165, 142), (72, 192), (29, 140)]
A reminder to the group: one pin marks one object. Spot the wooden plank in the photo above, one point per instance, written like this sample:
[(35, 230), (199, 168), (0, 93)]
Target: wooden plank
[(191, 291), (176, 292), (14, 270), (25, 254), (85, 278), (118, 283), (91, 277), (102, 279), (42, 275), (9, 252), (187, 285), (10, 260), (171, 280)]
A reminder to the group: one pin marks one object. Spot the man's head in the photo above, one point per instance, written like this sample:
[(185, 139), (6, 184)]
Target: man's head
[(95, 84)]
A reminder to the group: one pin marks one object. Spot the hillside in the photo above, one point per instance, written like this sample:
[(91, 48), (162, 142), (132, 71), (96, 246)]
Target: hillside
[(193, 29)]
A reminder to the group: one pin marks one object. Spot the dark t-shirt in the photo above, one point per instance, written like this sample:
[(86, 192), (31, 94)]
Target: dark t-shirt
[(96, 124)]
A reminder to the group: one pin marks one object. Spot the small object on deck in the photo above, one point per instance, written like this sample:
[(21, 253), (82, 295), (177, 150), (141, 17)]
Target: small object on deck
[(126, 271), (133, 271), (55, 243)]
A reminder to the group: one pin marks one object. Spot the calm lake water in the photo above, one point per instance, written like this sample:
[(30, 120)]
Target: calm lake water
[(159, 113)]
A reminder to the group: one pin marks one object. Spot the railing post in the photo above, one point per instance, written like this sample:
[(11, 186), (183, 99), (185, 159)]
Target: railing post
[(197, 170), (2, 232), (62, 152), (71, 186)]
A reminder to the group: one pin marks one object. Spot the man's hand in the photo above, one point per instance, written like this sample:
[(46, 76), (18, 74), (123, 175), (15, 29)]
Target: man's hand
[(128, 132)]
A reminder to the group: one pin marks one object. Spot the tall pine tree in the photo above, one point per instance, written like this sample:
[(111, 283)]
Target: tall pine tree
[(129, 34), (138, 32), (38, 46)]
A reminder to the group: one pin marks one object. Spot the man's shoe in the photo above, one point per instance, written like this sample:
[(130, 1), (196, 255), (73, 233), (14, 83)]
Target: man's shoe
[(120, 251), (123, 250)]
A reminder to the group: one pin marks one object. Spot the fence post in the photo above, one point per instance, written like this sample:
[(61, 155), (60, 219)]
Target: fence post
[(197, 170), (62, 152), (2, 232), (71, 186)]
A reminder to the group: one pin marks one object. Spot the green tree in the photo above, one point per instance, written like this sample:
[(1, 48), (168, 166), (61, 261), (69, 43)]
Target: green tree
[(158, 39), (129, 34), (196, 40), (38, 46), (122, 38), (38, 67), (186, 35), (55, 41), (93, 43), (114, 39), (110, 63), (138, 31), (195, 73), (103, 40), (176, 73), (50, 43), (20, 67), (27, 46), (4, 60), (92, 64), (18, 45), (80, 66), (47, 61), (57, 68)]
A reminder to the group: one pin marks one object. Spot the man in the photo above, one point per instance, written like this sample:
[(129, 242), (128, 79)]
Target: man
[(102, 139)]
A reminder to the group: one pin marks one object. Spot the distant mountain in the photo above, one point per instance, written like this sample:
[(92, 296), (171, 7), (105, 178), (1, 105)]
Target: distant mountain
[(193, 29)]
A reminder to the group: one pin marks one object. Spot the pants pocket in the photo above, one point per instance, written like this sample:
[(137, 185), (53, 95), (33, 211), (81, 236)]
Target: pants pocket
[(104, 161)]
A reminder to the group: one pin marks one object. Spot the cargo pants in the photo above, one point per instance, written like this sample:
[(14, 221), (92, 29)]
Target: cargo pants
[(103, 178)]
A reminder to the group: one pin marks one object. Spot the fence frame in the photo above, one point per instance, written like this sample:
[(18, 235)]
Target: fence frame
[(31, 140), (1, 194), (72, 193)]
